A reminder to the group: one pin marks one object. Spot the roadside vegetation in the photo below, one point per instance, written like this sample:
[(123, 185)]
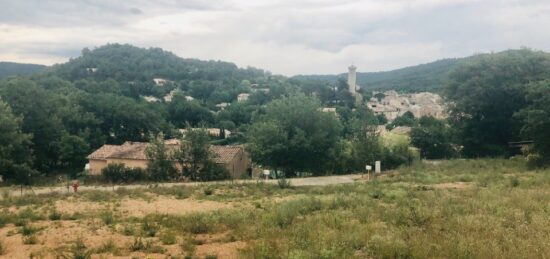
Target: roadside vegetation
[(487, 208)]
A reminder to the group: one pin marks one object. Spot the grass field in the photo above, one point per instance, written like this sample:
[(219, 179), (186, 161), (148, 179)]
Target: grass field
[(452, 209)]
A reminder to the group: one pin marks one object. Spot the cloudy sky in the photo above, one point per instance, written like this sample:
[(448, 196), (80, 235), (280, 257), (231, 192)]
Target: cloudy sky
[(284, 36)]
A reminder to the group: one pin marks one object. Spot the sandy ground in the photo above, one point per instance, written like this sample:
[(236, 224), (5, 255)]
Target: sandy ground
[(140, 208)]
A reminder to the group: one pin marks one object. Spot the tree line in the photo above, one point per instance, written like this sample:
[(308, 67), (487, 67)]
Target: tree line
[(53, 120)]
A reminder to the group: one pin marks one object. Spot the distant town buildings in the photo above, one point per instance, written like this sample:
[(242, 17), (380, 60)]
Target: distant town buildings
[(215, 132), (391, 104), (151, 99), (161, 81), (222, 105), (243, 97)]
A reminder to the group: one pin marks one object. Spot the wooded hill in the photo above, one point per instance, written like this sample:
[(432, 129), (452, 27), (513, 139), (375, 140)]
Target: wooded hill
[(18, 69), (426, 77)]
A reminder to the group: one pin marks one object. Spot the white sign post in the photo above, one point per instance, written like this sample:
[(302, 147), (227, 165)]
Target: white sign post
[(377, 167), (368, 167), (266, 173)]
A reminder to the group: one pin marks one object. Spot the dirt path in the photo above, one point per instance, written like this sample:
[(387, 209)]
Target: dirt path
[(308, 181)]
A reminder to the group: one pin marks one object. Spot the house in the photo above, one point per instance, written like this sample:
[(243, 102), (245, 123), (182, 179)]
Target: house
[(329, 110), (243, 97), (151, 99), (222, 105), (132, 154), (160, 81), (215, 132)]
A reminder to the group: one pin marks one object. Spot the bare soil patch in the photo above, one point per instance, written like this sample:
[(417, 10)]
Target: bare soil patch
[(139, 208), (455, 185)]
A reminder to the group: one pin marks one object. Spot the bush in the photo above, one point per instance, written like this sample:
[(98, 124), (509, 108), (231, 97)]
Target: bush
[(2, 248), (168, 238), (118, 173), (30, 240), (54, 215), (213, 172), (283, 183)]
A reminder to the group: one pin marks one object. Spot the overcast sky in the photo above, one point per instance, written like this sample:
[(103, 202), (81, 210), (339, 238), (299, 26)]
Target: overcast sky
[(284, 36)]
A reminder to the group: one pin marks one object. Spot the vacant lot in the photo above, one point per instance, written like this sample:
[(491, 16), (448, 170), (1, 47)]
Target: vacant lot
[(452, 209)]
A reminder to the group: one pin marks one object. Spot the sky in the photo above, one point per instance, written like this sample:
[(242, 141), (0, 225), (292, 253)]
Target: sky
[(286, 37)]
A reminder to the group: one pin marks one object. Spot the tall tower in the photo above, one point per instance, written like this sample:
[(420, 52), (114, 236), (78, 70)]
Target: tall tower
[(352, 83)]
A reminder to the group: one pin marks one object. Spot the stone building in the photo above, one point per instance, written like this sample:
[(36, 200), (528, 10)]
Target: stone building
[(132, 154)]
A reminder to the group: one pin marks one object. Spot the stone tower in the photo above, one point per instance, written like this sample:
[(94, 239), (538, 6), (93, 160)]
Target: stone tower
[(352, 84), (352, 80)]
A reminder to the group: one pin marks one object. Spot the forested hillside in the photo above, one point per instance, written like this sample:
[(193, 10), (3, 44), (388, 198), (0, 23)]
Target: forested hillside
[(109, 96), (425, 77), (14, 69)]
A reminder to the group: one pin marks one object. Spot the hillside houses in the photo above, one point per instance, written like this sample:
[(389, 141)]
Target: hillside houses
[(393, 105)]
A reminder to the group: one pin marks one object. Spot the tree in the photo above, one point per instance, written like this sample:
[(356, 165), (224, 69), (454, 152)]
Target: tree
[(536, 122), (15, 151), (73, 152), (193, 153), (433, 138), (407, 119), (294, 135), (160, 164), (484, 94)]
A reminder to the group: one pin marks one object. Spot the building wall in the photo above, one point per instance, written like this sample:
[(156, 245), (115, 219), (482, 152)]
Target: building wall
[(239, 166), (96, 165)]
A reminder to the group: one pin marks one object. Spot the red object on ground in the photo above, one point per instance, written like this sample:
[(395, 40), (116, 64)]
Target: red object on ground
[(75, 186)]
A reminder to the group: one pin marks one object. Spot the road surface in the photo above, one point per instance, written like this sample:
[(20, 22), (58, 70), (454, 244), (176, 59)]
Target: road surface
[(306, 181)]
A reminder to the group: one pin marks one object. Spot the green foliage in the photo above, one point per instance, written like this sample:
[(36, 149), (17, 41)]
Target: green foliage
[(434, 138), (536, 123), (485, 94), (3, 247), (407, 119), (160, 164), (118, 173), (12, 69), (15, 155), (294, 135), (194, 152), (283, 183)]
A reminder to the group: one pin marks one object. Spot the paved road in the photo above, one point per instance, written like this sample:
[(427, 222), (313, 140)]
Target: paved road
[(308, 181)]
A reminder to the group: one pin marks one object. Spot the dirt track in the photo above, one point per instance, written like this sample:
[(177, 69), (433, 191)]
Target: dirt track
[(308, 181)]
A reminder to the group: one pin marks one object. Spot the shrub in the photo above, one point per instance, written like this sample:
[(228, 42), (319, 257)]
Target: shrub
[(198, 224), (2, 247), (213, 172), (80, 251), (55, 215), (208, 191), (30, 240), (283, 183), (28, 230), (514, 182), (150, 229), (107, 247), (118, 173), (168, 238), (107, 217), (137, 245)]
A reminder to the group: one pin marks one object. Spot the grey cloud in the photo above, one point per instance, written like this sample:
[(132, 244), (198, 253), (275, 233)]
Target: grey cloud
[(285, 36)]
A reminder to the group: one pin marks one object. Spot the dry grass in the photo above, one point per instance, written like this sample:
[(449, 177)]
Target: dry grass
[(453, 209)]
